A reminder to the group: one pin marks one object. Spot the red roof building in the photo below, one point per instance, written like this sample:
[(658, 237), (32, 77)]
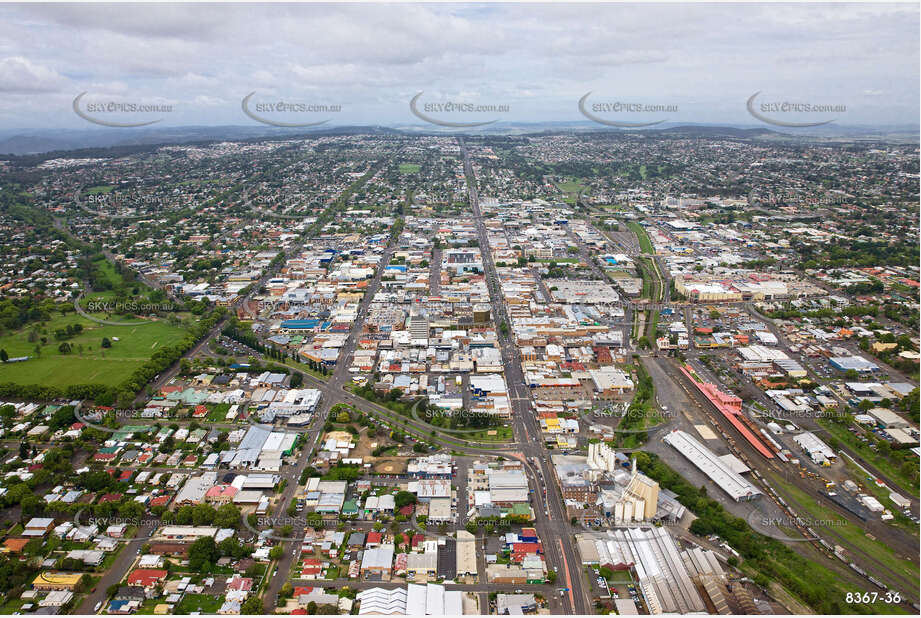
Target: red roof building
[(146, 578), (374, 539)]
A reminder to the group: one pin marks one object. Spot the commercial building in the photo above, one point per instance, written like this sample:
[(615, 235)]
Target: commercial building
[(855, 363), (466, 554), (376, 563)]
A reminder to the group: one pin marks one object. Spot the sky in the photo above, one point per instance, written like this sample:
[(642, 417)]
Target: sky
[(696, 63)]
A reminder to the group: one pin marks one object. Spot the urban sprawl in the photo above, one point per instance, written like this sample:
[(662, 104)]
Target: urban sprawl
[(378, 373)]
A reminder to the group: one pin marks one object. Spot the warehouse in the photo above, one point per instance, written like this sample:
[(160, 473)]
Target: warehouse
[(857, 363), (888, 419), (715, 468), (652, 553), (414, 600), (818, 451), (466, 554)]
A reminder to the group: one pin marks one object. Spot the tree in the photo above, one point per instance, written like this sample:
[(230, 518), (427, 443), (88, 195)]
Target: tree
[(252, 606), (227, 516), (404, 498), (106, 343), (202, 552), (276, 552)]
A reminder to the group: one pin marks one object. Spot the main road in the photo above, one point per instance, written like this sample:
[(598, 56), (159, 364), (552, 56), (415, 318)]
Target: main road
[(558, 547)]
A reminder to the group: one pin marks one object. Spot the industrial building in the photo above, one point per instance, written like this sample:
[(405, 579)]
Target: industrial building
[(414, 600), (819, 452), (716, 469), (664, 580)]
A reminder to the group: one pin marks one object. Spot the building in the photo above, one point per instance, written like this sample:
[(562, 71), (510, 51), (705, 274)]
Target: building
[(56, 580), (147, 579), (855, 363), (377, 563), (716, 469), (643, 492), (466, 554), (414, 600), (819, 452), (185, 533), (38, 526), (515, 604), (651, 553)]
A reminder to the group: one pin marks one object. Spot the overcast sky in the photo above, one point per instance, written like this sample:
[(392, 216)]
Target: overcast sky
[(706, 60)]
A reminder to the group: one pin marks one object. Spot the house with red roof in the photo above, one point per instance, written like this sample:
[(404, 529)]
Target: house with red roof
[(160, 501), (374, 539), (312, 568), (521, 550), (244, 584), (221, 494), (146, 578)]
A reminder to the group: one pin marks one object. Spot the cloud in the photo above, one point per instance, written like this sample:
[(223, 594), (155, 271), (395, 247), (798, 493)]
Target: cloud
[(374, 58), (19, 75)]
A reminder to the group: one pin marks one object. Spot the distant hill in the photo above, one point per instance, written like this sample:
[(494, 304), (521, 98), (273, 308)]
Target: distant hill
[(44, 143), (30, 148)]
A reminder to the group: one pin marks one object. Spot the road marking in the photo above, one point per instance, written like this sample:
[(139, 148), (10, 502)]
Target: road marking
[(572, 601)]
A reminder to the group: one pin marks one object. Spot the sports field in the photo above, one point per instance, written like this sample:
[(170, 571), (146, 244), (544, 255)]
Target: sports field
[(88, 362)]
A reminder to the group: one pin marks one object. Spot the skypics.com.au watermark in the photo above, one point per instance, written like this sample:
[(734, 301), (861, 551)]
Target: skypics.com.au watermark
[(107, 199), (289, 528), (93, 417), (140, 306), (104, 113), (778, 112), (99, 527), (90, 202), (128, 306), (612, 113), (258, 111), (805, 522), (450, 114)]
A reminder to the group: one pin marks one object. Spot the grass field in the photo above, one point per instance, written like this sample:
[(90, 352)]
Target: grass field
[(571, 187), (94, 365), (99, 189), (503, 434), (409, 168), (204, 603), (641, 236)]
